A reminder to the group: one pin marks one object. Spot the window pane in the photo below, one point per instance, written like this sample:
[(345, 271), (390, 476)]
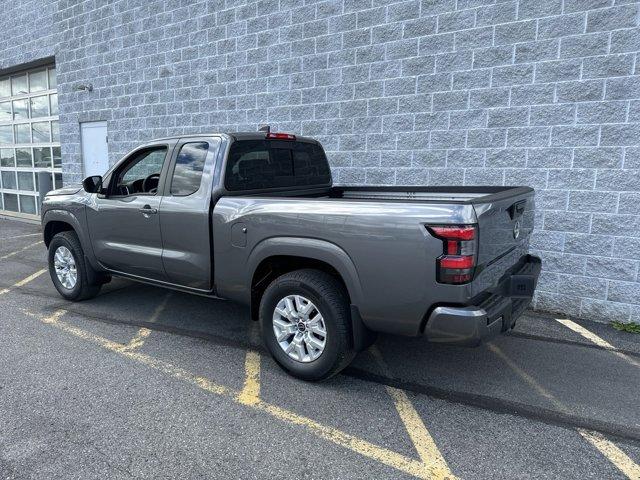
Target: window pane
[(19, 85), (9, 180), (11, 202), (55, 131), (147, 163), (23, 133), (28, 204), (42, 157), (247, 162), (38, 81), (189, 167), (23, 157), (58, 180), (25, 181), (5, 88), (5, 111), (54, 103), (310, 164), (257, 164), (20, 109), (57, 157), (6, 158), (40, 132), (39, 106), (52, 78), (6, 134)]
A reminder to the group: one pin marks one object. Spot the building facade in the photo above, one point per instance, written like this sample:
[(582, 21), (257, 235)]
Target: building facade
[(519, 92)]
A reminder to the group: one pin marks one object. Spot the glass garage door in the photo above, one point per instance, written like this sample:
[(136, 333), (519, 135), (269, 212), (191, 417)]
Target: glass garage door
[(29, 137)]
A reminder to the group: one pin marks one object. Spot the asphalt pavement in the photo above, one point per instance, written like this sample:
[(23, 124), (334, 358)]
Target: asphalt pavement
[(142, 382)]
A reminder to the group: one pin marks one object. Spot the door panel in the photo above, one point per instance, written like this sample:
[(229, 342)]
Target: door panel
[(124, 219), (125, 238), (184, 214)]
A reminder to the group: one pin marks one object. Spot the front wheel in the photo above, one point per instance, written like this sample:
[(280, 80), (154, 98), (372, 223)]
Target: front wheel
[(306, 324), (68, 269)]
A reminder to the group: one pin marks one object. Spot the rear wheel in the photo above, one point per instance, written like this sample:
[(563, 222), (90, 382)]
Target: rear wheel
[(68, 269), (306, 324)]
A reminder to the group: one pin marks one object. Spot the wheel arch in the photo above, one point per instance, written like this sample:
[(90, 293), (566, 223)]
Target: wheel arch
[(55, 221), (54, 227), (276, 256)]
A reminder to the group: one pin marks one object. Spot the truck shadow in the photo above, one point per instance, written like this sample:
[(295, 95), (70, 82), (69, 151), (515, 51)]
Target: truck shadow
[(553, 381)]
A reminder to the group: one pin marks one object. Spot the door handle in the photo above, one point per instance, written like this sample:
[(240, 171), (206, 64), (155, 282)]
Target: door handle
[(147, 210)]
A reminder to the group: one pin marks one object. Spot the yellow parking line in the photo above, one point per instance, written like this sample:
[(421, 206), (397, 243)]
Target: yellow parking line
[(22, 236), (423, 442), (601, 342), (420, 437), (160, 308), (8, 255), (138, 340), (24, 281), (528, 378), (387, 457), (613, 453), (616, 456), (143, 333), (250, 393), (254, 333)]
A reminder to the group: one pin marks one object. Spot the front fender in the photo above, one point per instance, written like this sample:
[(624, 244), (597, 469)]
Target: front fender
[(313, 248), (70, 218)]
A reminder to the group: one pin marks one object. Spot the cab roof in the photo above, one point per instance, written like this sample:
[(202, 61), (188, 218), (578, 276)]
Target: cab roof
[(236, 136)]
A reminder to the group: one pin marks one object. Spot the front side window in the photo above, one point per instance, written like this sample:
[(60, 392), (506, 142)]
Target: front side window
[(140, 175), (187, 174)]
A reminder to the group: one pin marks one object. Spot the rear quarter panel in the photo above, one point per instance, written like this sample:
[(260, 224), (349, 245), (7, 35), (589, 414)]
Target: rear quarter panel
[(391, 253)]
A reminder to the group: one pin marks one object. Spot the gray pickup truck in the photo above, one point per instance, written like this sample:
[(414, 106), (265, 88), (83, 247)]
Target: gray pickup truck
[(254, 218)]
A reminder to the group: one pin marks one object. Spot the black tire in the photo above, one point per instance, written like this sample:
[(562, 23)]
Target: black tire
[(329, 296), (82, 290)]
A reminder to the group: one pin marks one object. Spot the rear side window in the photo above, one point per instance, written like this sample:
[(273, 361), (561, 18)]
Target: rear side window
[(187, 174), (264, 164)]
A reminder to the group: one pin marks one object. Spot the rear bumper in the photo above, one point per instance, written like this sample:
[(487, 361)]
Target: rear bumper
[(492, 313)]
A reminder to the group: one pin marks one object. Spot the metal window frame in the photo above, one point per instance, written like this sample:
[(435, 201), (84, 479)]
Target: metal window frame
[(46, 66)]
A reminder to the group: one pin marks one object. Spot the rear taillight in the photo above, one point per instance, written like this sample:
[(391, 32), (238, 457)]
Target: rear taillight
[(458, 258)]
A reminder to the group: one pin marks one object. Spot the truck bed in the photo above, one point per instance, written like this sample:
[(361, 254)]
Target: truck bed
[(381, 234), (399, 193), (444, 194)]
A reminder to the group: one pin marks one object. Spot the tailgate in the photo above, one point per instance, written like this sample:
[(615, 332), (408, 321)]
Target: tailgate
[(505, 223)]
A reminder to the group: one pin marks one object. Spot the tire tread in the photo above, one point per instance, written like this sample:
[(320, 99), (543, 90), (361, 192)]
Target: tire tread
[(87, 290), (332, 292)]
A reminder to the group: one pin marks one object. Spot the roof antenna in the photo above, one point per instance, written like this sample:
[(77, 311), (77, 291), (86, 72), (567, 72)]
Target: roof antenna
[(264, 128)]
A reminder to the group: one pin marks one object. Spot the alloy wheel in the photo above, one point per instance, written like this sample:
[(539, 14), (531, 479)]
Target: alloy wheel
[(65, 267), (299, 328)]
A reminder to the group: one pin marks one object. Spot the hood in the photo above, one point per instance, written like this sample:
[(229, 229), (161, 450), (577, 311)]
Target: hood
[(68, 190)]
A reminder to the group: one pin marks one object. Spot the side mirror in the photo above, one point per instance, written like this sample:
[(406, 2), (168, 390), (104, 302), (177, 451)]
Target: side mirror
[(92, 184)]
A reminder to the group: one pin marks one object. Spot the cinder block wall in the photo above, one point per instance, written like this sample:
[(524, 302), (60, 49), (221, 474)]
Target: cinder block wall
[(521, 92), (27, 31)]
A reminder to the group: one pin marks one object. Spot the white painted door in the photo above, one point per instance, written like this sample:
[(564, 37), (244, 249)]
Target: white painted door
[(95, 157)]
